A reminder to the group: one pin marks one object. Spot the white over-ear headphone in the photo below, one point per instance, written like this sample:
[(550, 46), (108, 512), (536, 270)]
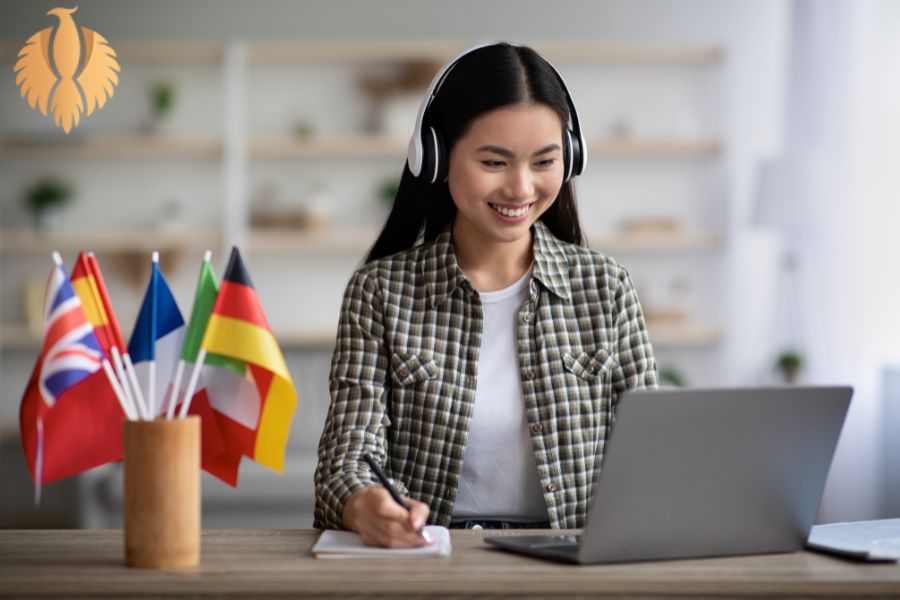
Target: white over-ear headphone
[(427, 158)]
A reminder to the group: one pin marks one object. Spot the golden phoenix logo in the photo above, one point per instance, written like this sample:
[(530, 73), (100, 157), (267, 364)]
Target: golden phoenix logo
[(60, 82)]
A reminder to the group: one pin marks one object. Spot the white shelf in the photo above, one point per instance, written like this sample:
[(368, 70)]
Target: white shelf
[(659, 147), (113, 146), (682, 335), (325, 240), (106, 241), (14, 336), (687, 241), (337, 147), (358, 240), (374, 146), (662, 335), (438, 52), (146, 52)]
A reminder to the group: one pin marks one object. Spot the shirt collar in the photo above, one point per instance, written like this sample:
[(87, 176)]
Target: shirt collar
[(443, 275)]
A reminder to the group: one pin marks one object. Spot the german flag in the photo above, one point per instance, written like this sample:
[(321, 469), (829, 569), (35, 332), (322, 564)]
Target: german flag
[(257, 420)]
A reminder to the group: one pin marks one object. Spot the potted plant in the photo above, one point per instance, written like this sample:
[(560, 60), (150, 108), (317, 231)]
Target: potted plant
[(45, 199), (162, 100), (790, 363)]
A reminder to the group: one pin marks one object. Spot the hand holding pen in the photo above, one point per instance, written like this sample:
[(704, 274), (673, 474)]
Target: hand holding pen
[(382, 517)]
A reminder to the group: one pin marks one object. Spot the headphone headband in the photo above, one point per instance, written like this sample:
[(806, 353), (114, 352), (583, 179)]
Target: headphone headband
[(424, 145)]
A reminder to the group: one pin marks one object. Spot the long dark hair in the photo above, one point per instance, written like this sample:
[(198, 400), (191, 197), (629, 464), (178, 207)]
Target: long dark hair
[(483, 80)]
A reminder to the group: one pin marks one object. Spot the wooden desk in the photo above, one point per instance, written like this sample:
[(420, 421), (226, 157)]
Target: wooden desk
[(269, 563)]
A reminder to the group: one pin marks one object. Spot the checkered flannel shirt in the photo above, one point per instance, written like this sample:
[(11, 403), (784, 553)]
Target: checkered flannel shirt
[(404, 371)]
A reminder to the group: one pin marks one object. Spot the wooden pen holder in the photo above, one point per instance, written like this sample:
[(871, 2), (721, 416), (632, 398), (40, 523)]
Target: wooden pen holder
[(162, 493)]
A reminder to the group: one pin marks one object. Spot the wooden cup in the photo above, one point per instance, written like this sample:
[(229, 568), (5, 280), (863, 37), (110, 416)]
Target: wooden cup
[(162, 493)]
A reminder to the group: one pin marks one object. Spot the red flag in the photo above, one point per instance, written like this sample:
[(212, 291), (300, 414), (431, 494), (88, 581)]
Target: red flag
[(70, 417)]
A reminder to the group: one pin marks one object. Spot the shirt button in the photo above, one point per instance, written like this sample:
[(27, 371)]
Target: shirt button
[(529, 374), (550, 487), (536, 428), (591, 368), (403, 372), (526, 318)]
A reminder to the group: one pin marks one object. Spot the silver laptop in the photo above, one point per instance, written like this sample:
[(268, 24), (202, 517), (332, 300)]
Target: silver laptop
[(693, 473)]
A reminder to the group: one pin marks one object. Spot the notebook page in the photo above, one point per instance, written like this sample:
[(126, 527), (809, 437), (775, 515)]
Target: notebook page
[(347, 544)]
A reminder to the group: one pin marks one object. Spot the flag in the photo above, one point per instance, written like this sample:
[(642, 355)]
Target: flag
[(70, 418), (221, 379), (91, 289), (156, 340), (255, 421)]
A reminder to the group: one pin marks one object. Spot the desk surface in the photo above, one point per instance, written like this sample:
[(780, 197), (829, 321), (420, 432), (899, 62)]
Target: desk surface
[(254, 562)]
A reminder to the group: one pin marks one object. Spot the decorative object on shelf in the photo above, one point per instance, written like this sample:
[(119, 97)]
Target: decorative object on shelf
[(162, 100), (651, 226), (45, 199), (35, 288), (170, 216), (395, 93), (269, 211), (387, 190), (620, 128), (303, 129), (672, 377), (789, 364)]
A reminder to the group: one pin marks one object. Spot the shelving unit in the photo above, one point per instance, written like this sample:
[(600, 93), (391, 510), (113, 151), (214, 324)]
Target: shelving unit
[(243, 152)]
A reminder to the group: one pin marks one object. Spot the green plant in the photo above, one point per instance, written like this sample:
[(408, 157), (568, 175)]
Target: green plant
[(387, 190), (673, 377), (48, 193), (789, 363), (163, 98)]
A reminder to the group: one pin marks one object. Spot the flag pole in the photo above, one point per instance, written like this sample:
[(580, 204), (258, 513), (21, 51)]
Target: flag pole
[(136, 386), (151, 392), (192, 385), (119, 368), (120, 396), (173, 397)]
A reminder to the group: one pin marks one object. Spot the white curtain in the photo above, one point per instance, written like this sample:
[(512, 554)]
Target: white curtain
[(842, 142)]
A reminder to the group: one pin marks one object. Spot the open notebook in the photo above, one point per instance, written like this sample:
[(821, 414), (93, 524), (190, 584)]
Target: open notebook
[(346, 544)]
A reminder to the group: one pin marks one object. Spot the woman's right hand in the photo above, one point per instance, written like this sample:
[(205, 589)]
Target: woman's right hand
[(380, 521)]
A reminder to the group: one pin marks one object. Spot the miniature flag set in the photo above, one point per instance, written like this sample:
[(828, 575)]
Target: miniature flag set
[(224, 366)]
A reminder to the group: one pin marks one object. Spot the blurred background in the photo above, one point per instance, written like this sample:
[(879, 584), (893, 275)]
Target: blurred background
[(741, 166)]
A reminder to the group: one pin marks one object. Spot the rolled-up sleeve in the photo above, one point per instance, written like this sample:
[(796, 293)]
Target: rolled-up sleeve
[(636, 366), (357, 417)]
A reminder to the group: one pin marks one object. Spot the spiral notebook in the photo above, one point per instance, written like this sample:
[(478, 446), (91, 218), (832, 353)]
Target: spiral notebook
[(346, 544)]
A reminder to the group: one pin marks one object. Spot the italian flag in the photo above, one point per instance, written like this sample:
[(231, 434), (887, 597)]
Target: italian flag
[(245, 396)]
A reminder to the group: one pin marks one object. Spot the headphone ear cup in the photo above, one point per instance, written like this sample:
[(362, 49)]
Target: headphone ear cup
[(567, 156), (577, 155), (430, 154), (441, 158)]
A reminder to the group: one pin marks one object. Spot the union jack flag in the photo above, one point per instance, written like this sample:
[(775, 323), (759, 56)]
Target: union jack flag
[(70, 350)]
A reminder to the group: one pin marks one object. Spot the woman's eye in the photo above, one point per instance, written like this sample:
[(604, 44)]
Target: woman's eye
[(493, 164), (547, 163)]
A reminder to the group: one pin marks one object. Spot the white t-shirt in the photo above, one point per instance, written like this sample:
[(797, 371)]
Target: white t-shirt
[(499, 474)]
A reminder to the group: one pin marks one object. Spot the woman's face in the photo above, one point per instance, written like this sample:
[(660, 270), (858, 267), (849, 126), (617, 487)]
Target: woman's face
[(505, 172)]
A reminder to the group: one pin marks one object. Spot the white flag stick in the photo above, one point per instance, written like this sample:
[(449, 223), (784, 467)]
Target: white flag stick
[(198, 366), (173, 396), (151, 391), (120, 395), (123, 381), (136, 387)]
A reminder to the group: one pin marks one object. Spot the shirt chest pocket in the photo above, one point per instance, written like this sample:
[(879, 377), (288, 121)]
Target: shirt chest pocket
[(588, 366), (408, 369)]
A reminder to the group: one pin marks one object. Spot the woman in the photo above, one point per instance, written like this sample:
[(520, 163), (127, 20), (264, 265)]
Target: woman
[(481, 348)]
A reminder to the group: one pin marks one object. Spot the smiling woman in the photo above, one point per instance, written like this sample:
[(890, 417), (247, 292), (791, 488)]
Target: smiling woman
[(482, 348)]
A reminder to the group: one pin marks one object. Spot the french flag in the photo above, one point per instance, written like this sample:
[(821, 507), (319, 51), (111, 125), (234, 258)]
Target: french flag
[(156, 340)]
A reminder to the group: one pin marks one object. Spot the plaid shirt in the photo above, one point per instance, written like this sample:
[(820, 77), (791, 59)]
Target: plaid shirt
[(404, 371)]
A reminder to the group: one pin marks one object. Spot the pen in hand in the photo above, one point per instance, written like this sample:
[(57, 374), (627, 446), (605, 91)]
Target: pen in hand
[(392, 490)]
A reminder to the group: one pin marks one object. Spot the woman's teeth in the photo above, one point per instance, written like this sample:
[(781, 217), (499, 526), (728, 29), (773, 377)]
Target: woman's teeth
[(508, 212)]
